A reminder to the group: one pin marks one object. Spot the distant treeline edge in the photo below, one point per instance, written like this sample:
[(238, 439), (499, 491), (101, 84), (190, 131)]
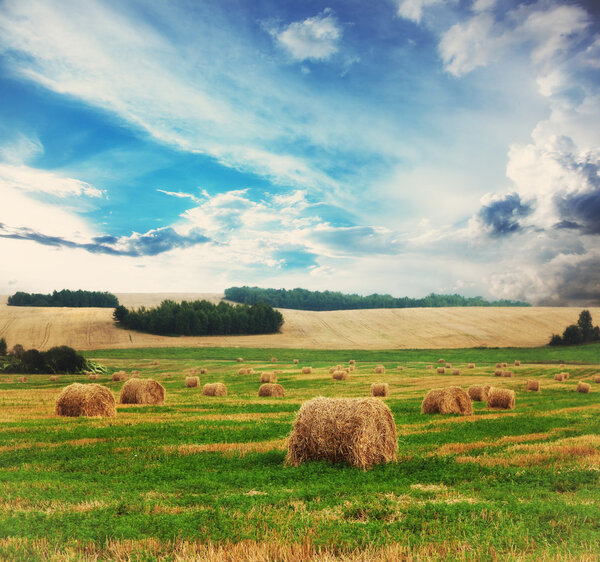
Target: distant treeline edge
[(302, 299), (76, 299)]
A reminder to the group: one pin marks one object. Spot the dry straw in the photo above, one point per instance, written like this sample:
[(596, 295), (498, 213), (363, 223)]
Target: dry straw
[(471, 365), (306, 370), (119, 376), (400, 368), (429, 367), (192, 382), (501, 398), (203, 371), (296, 361), (379, 370), (380, 389), (440, 370), (456, 371), (508, 374), (240, 359), (273, 359), (596, 379), (214, 389), (517, 363), (583, 387), (340, 375), (85, 400), (441, 360), (358, 431), (270, 389), (498, 373), (449, 400), (533, 385), (268, 377), (142, 391), (479, 392), (559, 377)]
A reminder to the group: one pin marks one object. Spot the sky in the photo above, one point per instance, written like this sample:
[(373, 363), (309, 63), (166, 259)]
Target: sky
[(392, 146)]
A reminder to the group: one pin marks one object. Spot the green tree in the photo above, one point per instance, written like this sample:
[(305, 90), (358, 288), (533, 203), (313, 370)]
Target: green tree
[(3, 347), (585, 325)]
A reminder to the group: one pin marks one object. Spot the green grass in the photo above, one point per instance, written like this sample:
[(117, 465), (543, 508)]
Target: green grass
[(525, 486)]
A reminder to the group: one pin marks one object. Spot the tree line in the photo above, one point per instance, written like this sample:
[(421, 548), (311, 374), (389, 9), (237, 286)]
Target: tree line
[(582, 332), (58, 360), (76, 299), (302, 299), (200, 318)]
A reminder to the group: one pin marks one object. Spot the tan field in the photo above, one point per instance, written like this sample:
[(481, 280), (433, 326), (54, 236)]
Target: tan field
[(416, 328)]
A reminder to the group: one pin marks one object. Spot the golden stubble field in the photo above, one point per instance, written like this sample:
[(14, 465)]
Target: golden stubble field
[(410, 328)]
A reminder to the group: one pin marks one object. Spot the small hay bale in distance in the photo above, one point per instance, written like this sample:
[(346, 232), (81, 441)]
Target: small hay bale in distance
[(517, 363), (429, 367), (441, 360), (240, 359), (307, 370), (534, 386), (273, 359), (119, 376), (498, 373), (566, 375), (92, 376), (22, 379), (498, 365), (192, 372), (192, 382), (559, 377), (352, 362), (85, 400), (203, 371), (340, 375), (296, 361), (336, 368), (246, 371), (440, 370), (53, 378), (380, 389), (270, 389), (135, 373), (583, 387), (449, 400), (358, 431), (142, 391), (351, 368), (399, 368), (379, 370), (456, 371), (448, 365), (501, 398), (156, 362), (214, 389), (479, 392), (508, 374), (268, 377), (471, 366), (596, 379)]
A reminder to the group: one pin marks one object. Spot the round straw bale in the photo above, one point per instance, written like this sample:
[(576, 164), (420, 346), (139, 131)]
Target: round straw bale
[(268, 377), (498, 373), (440, 370), (203, 371), (502, 398), (479, 392), (240, 359), (295, 361), (429, 367), (533, 385), (135, 373), (351, 367), (471, 366), (192, 382), (22, 379), (508, 374), (192, 372), (93, 376), (566, 375), (400, 368), (379, 370), (119, 376), (352, 362), (85, 400), (142, 391), (54, 378), (583, 387), (340, 375), (517, 363), (449, 400), (559, 377), (269, 389), (214, 389), (448, 365), (358, 431), (596, 379), (306, 370), (456, 371), (441, 360), (246, 371), (498, 365), (273, 359), (380, 389), (562, 366)]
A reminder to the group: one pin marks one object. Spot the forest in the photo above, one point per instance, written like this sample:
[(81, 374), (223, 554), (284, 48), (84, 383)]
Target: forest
[(75, 299)]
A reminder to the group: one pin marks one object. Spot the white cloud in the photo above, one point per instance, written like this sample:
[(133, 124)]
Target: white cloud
[(413, 9), (21, 150), (314, 38)]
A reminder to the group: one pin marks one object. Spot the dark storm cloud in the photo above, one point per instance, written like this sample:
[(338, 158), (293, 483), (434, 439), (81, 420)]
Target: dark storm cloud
[(580, 211), (501, 217)]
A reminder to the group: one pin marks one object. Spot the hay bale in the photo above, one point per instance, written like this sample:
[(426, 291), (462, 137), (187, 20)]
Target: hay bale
[(596, 379), (471, 366), (340, 375), (92, 376), (501, 398), (448, 365), (358, 431), (22, 379), (214, 389), (533, 386), (269, 389), (352, 362), (558, 377), (295, 361), (504, 365), (203, 371), (441, 360), (351, 368), (399, 368), (498, 373), (336, 368), (268, 377), (240, 359), (498, 365), (479, 392), (119, 376), (379, 370), (306, 370), (429, 367), (517, 363), (449, 400), (380, 389), (142, 391), (192, 372), (54, 378), (85, 400), (508, 374), (192, 382), (155, 362), (273, 359), (583, 387), (246, 371), (135, 373), (456, 371), (566, 376), (440, 370)]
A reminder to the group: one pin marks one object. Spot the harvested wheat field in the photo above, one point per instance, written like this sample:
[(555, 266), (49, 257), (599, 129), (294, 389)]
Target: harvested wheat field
[(407, 328), (190, 479)]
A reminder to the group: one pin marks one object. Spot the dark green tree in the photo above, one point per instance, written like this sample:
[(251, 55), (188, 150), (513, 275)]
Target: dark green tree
[(3, 347), (585, 325)]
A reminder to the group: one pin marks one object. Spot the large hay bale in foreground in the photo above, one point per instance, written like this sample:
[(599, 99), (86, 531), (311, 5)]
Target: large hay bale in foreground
[(306, 370), (440, 370), (449, 400), (507, 374), (479, 392), (214, 389), (583, 387), (142, 391), (268, 377), (119, 376), (533, 386), (192, 382), (270, 389), (357, 431), (380, 389), (85, 400), (501, 398), (559, 377), (379, 370), (340, 375)]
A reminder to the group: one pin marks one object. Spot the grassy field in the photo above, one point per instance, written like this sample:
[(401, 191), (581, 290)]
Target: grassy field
[(203, 477)]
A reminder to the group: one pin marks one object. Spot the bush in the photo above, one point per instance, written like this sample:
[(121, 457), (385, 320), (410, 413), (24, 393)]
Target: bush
[(57, 360), (582, 332)]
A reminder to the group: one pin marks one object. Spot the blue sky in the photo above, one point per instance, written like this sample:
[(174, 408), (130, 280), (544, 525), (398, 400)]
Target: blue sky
[(397, 146)]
